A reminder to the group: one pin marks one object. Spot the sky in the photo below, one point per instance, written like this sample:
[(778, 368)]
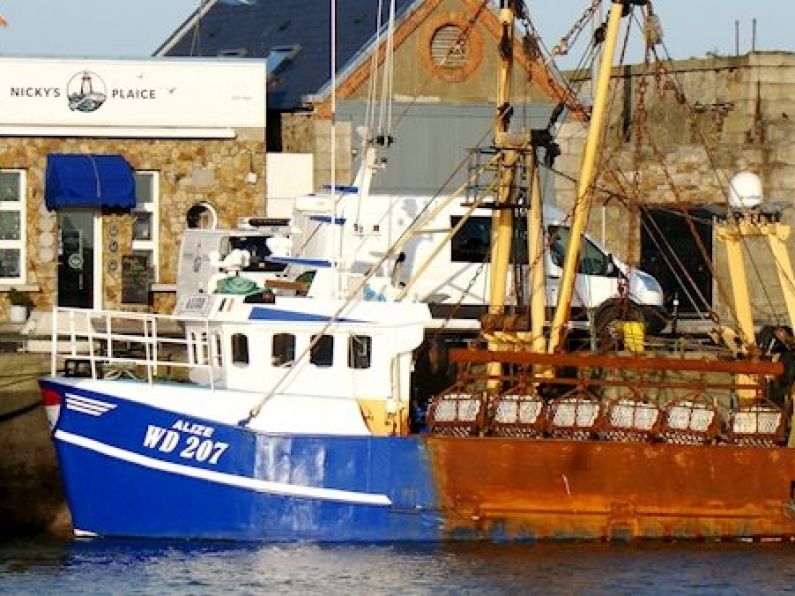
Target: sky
[(135, 28)]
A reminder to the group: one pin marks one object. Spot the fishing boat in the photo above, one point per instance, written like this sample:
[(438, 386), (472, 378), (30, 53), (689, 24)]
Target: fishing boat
[(292, 417)]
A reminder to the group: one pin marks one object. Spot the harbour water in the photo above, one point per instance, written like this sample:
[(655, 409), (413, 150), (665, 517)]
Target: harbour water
[(168, 567)]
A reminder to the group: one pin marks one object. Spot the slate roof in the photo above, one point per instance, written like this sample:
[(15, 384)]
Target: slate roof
[(258, 27)]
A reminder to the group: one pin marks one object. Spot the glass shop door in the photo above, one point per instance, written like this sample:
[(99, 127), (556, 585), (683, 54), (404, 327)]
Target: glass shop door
[(76, 228)]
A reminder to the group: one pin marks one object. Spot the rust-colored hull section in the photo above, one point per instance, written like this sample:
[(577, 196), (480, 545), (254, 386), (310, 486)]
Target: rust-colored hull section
[(547, 489)]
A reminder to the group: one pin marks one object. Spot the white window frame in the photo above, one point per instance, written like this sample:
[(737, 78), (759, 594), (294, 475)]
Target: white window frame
[(22, 243), (152, 207)]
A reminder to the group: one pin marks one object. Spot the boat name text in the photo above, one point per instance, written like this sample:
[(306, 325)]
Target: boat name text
[(190, 447), (193, 428)]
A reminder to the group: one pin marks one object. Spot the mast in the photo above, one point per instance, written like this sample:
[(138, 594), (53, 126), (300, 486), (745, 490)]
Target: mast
[(502, 218), (582, 205)]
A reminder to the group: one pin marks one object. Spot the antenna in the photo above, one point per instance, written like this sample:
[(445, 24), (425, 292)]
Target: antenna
[(753, 34), (335, 243), (736, 37)]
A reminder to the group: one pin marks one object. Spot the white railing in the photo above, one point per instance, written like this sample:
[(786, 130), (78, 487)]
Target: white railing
[(119, 338)]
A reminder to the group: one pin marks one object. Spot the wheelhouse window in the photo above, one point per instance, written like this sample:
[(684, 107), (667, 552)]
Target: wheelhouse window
[(239, 343), (283, 349), (12, 226), (322, 351), (145, 226), (360, 350)]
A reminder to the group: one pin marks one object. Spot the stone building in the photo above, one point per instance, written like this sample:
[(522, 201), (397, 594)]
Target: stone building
[(103, 164), (704, 121)]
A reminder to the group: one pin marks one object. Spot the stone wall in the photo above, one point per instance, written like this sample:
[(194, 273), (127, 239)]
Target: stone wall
[(302, 132), (705, 120), (191, 171)]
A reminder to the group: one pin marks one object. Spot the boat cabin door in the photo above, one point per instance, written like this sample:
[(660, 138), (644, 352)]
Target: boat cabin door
[(77, 230)]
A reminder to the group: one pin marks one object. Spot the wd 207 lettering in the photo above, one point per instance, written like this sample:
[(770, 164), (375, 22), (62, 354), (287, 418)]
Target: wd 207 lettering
[(194, 446)]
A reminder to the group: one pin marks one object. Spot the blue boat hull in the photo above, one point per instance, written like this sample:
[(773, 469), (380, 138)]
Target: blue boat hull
[(133, 470)]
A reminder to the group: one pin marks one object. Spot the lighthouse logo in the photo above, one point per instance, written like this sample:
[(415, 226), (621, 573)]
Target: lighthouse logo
[(86, 91)]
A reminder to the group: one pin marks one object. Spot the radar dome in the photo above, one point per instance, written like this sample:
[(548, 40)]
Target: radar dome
[(745, 191)]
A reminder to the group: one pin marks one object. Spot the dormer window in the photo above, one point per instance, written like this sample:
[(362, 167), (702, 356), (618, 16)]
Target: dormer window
[(279, 56), (233, 53)]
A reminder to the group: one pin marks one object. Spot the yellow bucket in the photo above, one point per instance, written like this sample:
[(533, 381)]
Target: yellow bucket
[(634, 334)]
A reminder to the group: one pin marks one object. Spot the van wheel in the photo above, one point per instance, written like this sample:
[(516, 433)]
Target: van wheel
[(606, 317)]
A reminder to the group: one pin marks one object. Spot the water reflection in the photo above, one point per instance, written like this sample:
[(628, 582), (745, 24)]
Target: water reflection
[(134, 566)]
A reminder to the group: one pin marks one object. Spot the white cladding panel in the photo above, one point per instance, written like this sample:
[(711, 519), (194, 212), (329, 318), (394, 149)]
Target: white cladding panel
[(289, 175), (154, 92)]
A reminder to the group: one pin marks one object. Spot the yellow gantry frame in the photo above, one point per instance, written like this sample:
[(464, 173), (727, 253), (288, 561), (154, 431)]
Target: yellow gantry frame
[(733, 233)]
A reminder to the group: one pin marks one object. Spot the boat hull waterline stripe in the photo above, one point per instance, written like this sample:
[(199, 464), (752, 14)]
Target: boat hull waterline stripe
[(261, 486)]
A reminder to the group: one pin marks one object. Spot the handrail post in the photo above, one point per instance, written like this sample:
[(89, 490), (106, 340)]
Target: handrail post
[(109, 335), (54, 346), (90, 335), (209, 354), (147, 350), (72, 336), (154, 344)]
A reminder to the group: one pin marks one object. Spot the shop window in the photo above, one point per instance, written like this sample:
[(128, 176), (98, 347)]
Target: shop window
[(360, 350), (145, 225), (203, 216), (12, 226), (239, 348), (283, 349), (322, 352)]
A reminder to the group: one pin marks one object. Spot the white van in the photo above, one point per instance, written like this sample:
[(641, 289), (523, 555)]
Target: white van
[(364, 229)]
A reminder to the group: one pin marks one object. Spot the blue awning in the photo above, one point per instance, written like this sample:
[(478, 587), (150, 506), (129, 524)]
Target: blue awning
[(79, 180)]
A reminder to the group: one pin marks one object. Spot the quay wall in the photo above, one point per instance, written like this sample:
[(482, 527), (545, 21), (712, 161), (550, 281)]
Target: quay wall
[(31, 494)]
